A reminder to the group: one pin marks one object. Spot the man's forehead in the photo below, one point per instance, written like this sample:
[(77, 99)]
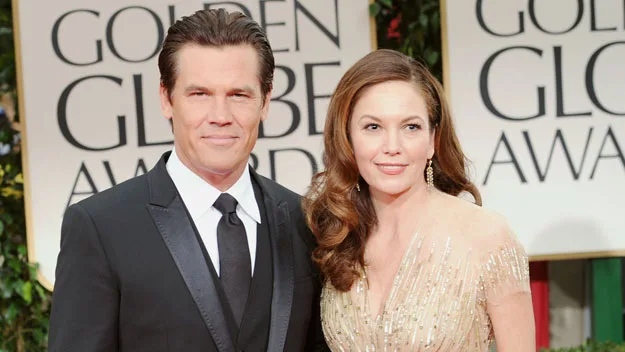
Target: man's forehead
[(243, 55), (235, 64)]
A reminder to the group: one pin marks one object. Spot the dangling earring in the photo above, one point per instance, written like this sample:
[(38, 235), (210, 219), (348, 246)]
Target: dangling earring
[(430, 174), (358, 186)]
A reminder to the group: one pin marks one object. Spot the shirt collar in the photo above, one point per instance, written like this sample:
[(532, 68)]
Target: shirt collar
[(199, 195)]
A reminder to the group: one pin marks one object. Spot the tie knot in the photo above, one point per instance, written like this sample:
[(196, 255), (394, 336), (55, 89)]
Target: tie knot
[(226, 204)]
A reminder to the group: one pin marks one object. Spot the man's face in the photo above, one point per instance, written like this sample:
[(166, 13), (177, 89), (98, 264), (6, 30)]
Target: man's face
[(216, 107)]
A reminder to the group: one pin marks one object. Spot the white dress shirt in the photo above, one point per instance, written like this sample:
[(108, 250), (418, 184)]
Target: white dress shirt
[(199, 196)]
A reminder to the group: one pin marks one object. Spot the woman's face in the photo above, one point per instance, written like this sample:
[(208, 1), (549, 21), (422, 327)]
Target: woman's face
[(390, 134)]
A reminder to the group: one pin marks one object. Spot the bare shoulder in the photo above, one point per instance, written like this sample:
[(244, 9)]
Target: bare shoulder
[(463, 211), (483, 227)]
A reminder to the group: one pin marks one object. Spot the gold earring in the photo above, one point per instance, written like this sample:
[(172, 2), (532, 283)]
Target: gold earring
[(430, 175)]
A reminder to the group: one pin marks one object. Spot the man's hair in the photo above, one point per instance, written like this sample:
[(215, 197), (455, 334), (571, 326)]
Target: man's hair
[(215, 28)]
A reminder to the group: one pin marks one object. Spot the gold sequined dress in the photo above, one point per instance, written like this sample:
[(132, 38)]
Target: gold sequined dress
[(441, 296)]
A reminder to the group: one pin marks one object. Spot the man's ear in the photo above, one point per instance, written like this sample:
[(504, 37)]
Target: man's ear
[(265, 109), (166, 108)]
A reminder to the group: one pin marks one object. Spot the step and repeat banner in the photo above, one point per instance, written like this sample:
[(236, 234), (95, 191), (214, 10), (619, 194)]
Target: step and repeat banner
[(537, 89), (89, 90)]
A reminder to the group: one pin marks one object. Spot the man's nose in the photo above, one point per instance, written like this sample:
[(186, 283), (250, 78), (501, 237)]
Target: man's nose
[(221, 113)]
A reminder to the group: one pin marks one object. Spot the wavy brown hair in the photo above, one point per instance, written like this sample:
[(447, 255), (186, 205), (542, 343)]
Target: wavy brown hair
[(342, 217)]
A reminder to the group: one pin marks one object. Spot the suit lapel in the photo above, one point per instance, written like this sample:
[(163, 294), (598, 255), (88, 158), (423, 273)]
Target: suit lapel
[(283, 266), (174, 225)]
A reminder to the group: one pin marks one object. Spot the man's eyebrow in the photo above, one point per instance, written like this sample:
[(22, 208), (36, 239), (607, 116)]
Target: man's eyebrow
[(194, 87)]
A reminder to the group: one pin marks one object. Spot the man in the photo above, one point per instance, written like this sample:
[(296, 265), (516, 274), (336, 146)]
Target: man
[(152, 264)]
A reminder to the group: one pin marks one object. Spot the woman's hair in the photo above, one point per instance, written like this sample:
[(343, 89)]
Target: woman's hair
[(340, 216)]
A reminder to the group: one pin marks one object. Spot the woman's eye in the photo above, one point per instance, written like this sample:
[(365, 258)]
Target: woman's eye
[(372, 126), (414, 127)]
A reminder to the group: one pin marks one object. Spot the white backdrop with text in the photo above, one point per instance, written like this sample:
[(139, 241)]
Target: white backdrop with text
[(90, 95), (537, 89)]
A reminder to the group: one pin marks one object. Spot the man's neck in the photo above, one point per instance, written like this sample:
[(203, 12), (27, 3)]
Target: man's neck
[(220, 179)]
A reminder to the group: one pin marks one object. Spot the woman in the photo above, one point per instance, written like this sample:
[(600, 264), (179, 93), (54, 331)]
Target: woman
[(408, 264)]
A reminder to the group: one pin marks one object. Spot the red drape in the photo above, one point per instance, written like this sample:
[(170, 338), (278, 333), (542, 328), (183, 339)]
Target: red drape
[(539, 283)]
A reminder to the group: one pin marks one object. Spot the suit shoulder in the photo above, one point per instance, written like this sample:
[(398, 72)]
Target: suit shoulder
[(279, 192), (119, 196)]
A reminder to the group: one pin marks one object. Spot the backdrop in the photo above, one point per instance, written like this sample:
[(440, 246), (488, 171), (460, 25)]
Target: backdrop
[(90, 95), (537, 90)]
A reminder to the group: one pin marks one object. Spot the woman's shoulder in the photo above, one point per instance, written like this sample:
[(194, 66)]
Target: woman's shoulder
[(484, 228), (464, 211)]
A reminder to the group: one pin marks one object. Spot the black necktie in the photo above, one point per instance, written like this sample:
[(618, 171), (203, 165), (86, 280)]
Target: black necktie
[(235, 268)]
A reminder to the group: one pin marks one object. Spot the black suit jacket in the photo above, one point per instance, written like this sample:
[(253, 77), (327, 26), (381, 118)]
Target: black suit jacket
[(131, 275)]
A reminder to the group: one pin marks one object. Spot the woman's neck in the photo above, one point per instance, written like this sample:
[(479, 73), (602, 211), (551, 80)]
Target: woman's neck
[(400, 213)]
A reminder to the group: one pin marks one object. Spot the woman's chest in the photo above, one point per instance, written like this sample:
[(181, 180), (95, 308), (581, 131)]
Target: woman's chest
[(432, 303)]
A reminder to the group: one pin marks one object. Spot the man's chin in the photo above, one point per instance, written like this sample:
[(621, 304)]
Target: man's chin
[(225, 169)]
